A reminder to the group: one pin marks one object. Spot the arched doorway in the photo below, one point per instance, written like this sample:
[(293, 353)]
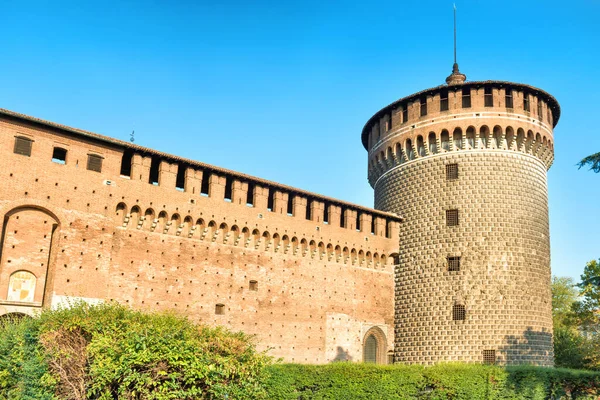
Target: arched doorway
[(12, 317), (375, 346)]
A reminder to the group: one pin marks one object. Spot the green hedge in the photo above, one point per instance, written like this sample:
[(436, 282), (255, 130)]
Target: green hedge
[(444, 381), (112, 352)]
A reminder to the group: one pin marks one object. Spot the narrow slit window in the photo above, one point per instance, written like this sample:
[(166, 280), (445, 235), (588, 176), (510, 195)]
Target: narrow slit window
[(489, 357), (126, 161), (59, 155), (466, 97), (405, 113), (253, 286), (358, 224), (451, 217), (343, 218), (205, 187), (508, 98), (290, 205), (453, 264), (451, 172), (220, 309), (372, 225), (250, 195), (444, 100), (539, 109), (154, 171), (180, 178), (270, 199), (326, 213), (94, 163), (526, 101), (488, 97), (388, 125), (23, 146), (459, 313), (228, 188), (423, 106), (308, 209)]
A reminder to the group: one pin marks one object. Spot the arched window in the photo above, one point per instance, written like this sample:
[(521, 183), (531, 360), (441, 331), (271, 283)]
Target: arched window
[(457, 137), (510, 137), (409, 150), (484, 135), (498, 137), (471, 137), (445, 140), (21, 287), (432, 143), (520, 139), (420, 146)]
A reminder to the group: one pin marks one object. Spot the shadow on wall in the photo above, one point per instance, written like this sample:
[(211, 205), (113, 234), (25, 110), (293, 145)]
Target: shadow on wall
[(533, 347), (342, 355)]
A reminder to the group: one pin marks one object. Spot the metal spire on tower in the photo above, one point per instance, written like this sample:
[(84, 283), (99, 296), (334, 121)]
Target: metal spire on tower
[(455, 77)]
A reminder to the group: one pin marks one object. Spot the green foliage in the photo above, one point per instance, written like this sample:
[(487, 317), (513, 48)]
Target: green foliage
[(443, 381), (593, 161), (564, 294), (23, 368), (571, 348), (587, 308), (110, 351)]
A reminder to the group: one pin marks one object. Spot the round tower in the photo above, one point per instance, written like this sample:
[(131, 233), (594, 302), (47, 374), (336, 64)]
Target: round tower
[(465, 165)]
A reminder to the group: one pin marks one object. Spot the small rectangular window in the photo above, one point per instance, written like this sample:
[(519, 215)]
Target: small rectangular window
[(466, 97), (489, 357), (388, 124), (253, 285), (453, 264), (526, 101), (508, 98), (23, 146), (220, 309), (405, 113), (423, 106), (459, 312), (451, 172), (444, 100), (451, 217), (59, 155), (94, 163), (488, 97)]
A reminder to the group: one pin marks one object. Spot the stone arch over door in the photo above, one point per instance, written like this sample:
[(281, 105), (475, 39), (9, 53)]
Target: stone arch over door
[(375, 346), (28, 239)]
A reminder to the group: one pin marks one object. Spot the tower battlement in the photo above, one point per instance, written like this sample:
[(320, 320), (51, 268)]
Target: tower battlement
[(488, 115)]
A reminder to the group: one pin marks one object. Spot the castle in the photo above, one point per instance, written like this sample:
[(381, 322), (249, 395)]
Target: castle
[(452, 264)]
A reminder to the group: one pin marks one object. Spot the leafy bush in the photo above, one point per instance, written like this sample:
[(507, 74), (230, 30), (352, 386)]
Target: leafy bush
[(443, 381), (110, 351)]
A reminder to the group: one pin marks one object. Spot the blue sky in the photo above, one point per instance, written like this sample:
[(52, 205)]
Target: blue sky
[(281, 90)]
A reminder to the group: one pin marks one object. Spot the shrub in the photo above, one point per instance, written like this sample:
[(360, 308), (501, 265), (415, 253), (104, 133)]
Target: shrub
[(110, 351)]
